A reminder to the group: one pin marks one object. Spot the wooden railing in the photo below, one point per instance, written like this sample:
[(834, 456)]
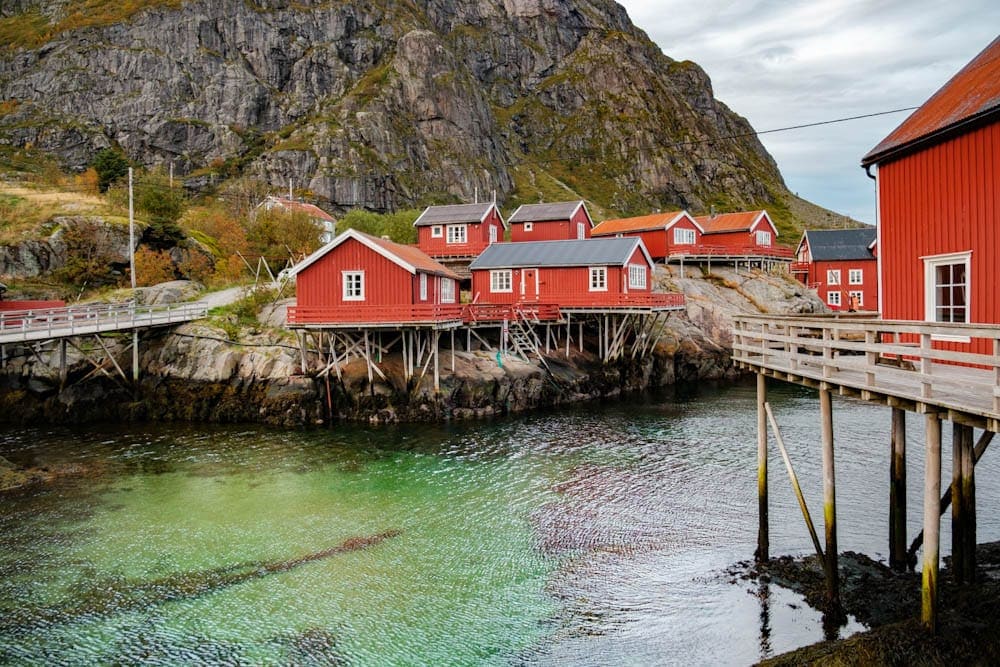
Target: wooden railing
[(731, 251), (498, 312), (799, 267), (373, 314), (36, 324), (918, 361)]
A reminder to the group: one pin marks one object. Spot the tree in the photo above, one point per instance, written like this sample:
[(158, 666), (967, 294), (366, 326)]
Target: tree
[(277, 233), (110, 165), (153, 267), (162, 206), (397, 226)]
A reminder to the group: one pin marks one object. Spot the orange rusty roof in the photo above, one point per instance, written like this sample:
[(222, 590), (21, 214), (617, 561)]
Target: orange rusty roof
[(641, 223), (410, 257), (971, 94), (302, 207), (742, 221)]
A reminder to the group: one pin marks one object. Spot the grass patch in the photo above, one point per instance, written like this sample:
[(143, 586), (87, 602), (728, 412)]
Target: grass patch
[(242, 313)]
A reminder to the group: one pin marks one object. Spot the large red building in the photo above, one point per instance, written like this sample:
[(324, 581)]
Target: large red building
[(938, 177), (663, 233), (358, 278), (458, 230), (558, 221), (596, 273), (841, 265), (741, 233)]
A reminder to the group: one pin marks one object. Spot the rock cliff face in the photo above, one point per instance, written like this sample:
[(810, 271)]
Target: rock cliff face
[(382, 105)]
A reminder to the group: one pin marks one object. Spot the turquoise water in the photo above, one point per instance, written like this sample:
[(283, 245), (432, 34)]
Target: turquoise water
[(593, 535)]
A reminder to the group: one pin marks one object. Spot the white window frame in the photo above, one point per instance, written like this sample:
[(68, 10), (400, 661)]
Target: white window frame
[(581, 230), (931, 263), (856, 294), (763, 238), (598, 279), (528, 226), (353, 285), (684, 236), (493, 234), (831, 301), (458, 234), (437, 231), (833, 276), (637, 276), (447, 290), (856, 276), (423, 287), (501, 281)]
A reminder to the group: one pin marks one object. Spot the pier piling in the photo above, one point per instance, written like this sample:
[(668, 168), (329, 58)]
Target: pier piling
[(897, 492), (762, 554), (829, 497), (932, 522)]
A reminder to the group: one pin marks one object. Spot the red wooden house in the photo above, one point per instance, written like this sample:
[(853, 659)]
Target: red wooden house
[(588, 273), (551, 222), (663, 233), (361, 279), (840, 264), (459, 230), (746, 233), (938, 177)]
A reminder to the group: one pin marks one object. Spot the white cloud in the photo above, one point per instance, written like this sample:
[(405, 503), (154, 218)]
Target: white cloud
[(789, 63)]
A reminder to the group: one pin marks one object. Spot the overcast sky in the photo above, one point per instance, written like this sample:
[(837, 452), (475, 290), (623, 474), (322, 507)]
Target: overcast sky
[(781, 63)]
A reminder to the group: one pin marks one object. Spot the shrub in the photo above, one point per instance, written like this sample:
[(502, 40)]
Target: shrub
[(110, 166), (397, 226), (153, 267), (277, 233)]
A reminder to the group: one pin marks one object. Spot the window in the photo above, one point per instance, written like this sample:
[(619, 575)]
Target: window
[(764, 238), (423, 287), (856, 298), (447, 290), (456, 234), (683, 236), (500, 281), (493, 233), (354, 285), (437, 231), (833, 276), (598, 279), (856, 276), (833, 298), (528, 226), (947, 288), (581, 231), (636, 276)]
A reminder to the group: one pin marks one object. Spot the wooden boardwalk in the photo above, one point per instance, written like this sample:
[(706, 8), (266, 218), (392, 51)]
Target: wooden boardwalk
[(54, 323)]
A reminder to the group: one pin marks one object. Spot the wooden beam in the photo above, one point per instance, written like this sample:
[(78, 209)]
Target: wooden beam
[(897, 491), (969, 496), (763, 548), (957, 504), (829, 498), (932, 523)]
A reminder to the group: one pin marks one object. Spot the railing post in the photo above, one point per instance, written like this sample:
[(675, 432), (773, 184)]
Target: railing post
[(925, 365), (871, 357), (827, 353), (996, 375)]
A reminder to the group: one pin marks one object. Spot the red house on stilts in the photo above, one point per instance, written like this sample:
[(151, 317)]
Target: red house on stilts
[(459, 230), (663, 233), (938, 180), (745, 233), (551, 222)]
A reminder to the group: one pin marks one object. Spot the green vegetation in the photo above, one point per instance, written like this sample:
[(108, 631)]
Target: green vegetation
[(244, 312), (397, 226), (110, 165)]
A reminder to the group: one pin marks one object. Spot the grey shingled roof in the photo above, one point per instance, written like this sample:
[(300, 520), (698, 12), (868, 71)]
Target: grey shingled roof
[(840, 244), (582, 252), (541, 212), (453, 214)]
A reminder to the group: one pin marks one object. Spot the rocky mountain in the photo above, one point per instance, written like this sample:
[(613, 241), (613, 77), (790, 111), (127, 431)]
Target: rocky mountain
[(381, 104)]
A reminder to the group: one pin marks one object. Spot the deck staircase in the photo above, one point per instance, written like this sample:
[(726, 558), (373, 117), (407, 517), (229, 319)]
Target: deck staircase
[(524, 342)]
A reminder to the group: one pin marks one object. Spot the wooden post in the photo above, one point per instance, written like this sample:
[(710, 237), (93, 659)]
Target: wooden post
[(897, 492), (763, 547), (569, 334), (829, 497), (580, 335), (301, 335), (62, 363), (452, 350), (969, 495), (135, 355), (932, 523), (437, 370), (957, 506)]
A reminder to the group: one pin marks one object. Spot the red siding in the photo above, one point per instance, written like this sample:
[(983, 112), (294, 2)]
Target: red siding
[(944, 199), (552, 230), (868, 288), (386, 282), (477, 235), (559, 285)]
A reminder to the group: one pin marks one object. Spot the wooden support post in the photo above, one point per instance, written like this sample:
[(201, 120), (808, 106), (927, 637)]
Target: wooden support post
[(932, 523), (569, 332), (452, 350), (368, 358), (763, 548), (301, 335), (897, 491), (829, 497), (62, 363), (580, 335), (468, 339), (963, 511), (969, 496), (437, 370), (135, 356), (795, 483)]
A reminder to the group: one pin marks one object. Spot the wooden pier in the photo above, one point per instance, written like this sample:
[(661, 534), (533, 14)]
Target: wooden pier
[(911, 367)]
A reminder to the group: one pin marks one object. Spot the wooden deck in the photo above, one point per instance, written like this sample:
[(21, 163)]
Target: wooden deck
[(27, 326), (896, 363)]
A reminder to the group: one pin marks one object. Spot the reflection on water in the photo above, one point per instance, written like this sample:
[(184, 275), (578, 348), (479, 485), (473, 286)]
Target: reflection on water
[(591, 535)]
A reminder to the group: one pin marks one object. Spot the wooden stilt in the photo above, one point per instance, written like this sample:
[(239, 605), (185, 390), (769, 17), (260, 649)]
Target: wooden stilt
[(568, 334), (301, 335), (763, 547), (897, 492), (368, 358), (579, 337), (62, 363), (829, 497), (932, 523), (957, 505), (437, 370), (452, 350), (135, 355), (969, 495)]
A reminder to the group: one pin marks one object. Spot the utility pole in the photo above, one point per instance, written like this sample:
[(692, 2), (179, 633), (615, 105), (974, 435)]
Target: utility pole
[(289, 189), (171, 174)]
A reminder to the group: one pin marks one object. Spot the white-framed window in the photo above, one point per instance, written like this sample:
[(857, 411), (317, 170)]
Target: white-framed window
[(637, 276), (423, 287), (500, 281), (946, 290), (598, 279), (856, 276), (581, 230), (683, 236), (763, 238), (833, 298), (833, 276), (437, 231), (856, 298), (528, 226), (354, 285), (457, 234), (493, 233), (447, 290)]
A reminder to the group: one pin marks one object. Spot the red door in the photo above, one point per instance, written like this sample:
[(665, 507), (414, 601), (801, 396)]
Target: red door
[(529, 285)]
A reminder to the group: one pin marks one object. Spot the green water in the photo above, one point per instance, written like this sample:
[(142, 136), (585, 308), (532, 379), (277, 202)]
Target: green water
[(593, 535)]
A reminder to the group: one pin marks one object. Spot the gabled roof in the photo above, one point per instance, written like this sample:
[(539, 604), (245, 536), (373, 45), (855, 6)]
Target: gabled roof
[(576, 252), (456, 214), (642, 223), (409, 257), (827, 245), (563, 210), (734, 222), (971, 95), (300, 207)]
